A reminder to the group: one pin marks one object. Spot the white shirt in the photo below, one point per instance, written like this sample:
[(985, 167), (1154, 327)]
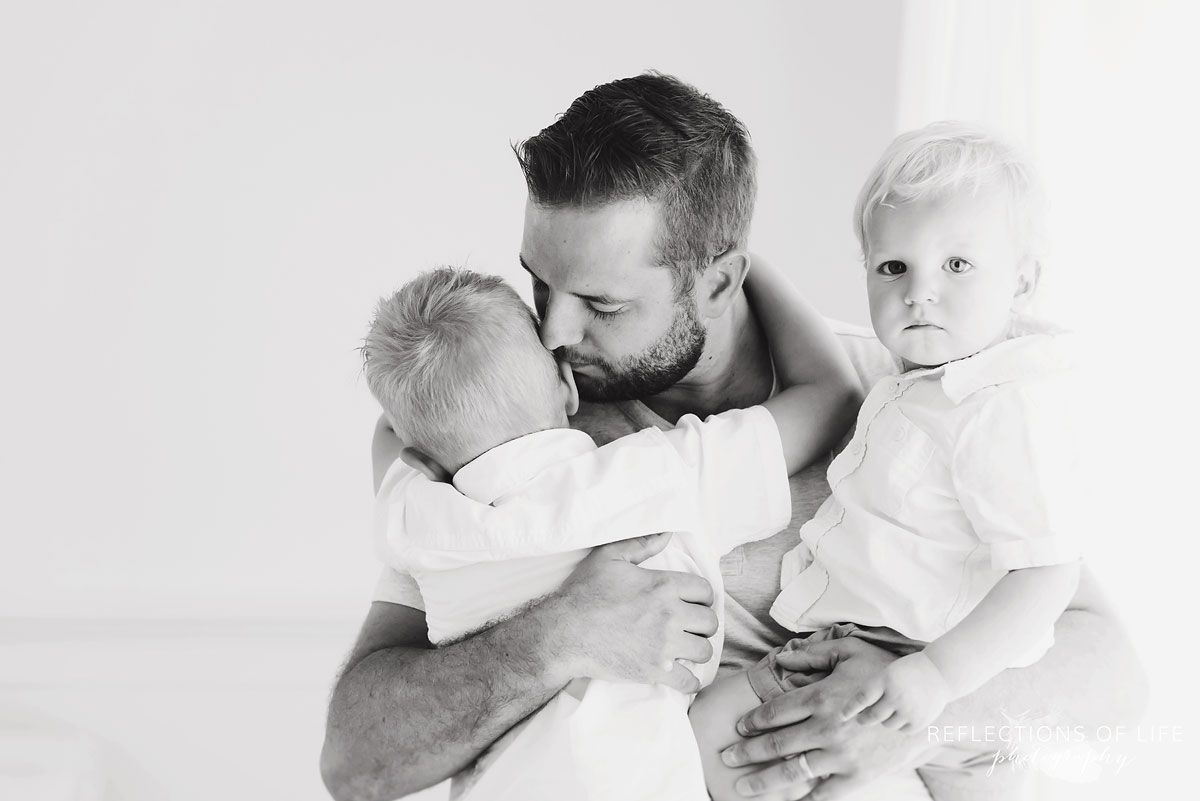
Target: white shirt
[(520, 517), (955, 475), (516, 522)]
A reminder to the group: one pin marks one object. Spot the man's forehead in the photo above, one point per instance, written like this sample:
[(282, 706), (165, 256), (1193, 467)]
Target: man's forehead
[(621, 223), (616, 242)]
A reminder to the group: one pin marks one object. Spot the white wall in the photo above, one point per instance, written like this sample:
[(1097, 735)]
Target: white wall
[(202, 202), (199, 205)]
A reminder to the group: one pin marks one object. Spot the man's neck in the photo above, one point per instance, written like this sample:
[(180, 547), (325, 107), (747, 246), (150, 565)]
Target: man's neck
[(733, 372)]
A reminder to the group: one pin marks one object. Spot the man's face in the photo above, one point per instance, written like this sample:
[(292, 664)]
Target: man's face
[(605, 306)]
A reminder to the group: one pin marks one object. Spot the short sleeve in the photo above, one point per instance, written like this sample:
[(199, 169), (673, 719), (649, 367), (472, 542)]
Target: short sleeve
[(1016, 474), (395, 587), (742, 481)]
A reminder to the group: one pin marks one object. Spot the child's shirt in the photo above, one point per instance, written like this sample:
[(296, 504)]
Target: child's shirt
[(516, 522), (520, 517), (955, 475)]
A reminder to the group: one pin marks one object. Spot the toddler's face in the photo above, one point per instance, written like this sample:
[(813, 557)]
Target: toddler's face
[(943, 275)]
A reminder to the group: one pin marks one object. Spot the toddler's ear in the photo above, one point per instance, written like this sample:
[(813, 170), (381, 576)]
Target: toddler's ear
[(418, 461), (1027, 279), (571, 392)]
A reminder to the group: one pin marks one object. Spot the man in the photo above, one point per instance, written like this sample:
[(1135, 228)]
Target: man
[(640, 201)]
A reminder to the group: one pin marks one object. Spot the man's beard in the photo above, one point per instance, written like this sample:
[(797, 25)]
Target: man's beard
[(662, 365)]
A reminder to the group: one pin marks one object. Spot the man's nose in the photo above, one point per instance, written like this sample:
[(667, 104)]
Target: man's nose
[(920, 289), (561, 326)]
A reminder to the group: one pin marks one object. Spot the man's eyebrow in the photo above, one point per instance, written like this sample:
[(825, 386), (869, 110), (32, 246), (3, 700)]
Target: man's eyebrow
[(604, 300)]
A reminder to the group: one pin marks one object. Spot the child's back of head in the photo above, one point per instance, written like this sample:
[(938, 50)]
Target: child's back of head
[(455, 360)]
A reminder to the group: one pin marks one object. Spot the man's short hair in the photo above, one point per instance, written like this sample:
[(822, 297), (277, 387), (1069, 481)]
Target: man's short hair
[(948, 157), (654, 137), (454, 359)]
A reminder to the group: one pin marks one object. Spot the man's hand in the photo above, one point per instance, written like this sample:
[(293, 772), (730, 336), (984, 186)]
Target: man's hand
[(810, 721), (908, 696), (404, 716), (627, 623)]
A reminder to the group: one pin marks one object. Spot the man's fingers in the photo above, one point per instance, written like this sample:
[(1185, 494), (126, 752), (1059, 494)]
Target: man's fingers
[(821, 762), (691, 647), (789, 774), (830, 652), (691, 588), (698, 619), (681, 679), (809, 658), (635, 549), (764, 748), (782, 710)]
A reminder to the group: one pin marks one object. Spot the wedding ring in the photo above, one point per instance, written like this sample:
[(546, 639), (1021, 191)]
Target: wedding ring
[(805, 768)]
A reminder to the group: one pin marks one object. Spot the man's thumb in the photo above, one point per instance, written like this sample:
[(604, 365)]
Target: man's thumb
[(808, 658), (636, 549)]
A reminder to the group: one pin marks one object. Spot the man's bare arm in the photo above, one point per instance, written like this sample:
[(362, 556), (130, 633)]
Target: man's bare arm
[(1090, 677), (404, 716)]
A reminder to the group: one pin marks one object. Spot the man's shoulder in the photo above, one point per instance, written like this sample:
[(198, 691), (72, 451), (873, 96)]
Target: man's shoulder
[(605, 422)]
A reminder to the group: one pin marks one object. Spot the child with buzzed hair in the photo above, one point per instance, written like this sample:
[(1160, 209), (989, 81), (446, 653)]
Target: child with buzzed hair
[(495, 500), (951, 534), (455, 360)]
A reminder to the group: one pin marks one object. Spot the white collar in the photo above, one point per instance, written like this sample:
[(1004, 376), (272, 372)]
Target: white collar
[(1033, 348), (509, 465)]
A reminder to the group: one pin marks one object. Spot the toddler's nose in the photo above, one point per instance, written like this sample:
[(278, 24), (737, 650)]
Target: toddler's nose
[(921, 290)]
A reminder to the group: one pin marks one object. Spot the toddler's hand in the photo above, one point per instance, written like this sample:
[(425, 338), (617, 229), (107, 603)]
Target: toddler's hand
[(908, 695)]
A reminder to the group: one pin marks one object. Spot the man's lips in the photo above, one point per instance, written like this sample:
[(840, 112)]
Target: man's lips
[(921, 326)]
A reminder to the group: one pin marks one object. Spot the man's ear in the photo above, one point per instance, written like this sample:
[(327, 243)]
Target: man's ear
[(718, 285), (418, 461), (570, 391)]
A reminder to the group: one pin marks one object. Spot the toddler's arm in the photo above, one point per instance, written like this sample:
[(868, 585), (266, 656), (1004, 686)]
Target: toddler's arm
[(819, 389), (1012, 618)]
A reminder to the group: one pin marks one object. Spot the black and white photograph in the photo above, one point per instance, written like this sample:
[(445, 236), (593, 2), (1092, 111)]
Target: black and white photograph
[(624, 401)]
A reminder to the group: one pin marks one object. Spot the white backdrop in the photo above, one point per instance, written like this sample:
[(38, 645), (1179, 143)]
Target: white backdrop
[(199, 205), (203, 201)]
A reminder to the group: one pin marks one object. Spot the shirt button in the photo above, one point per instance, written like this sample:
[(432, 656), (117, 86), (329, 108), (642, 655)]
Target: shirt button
[(900, 434)]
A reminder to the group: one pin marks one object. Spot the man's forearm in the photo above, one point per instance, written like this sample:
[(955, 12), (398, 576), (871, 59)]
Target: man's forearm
[(405, 718), (1090, 677)]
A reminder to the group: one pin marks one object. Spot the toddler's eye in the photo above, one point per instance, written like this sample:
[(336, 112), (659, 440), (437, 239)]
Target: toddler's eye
[(957, 265), (892, 268)]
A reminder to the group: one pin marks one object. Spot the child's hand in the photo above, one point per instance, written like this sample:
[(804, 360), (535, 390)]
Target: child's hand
[(908, 696)]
